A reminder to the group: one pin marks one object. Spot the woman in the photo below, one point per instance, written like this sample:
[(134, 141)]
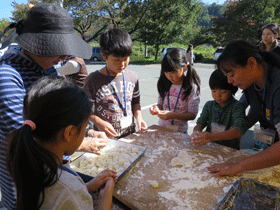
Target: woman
[(46, 37), (269, 41), (258, 74)]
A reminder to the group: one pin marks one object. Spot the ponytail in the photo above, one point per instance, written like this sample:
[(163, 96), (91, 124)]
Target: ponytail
[(271, 58), (28, 163), (190, 79)]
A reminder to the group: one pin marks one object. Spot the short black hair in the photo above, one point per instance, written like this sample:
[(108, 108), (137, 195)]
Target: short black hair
[(116, 42), (219, 81)]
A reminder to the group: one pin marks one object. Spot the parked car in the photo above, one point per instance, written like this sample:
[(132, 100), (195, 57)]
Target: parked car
[(96, 55), (217, 53), (166, 49)]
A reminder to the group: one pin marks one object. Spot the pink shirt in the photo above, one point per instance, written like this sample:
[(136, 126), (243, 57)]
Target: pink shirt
[(190, 104)]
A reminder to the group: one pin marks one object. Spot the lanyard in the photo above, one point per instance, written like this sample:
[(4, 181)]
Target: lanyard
[(68, 170), (176, 102), (124, 92)]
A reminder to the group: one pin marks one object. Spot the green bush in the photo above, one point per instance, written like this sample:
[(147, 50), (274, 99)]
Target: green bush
[(203, 53)]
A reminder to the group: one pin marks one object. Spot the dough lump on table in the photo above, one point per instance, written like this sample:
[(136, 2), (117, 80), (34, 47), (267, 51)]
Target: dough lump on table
[(154, 184), (183, 159)]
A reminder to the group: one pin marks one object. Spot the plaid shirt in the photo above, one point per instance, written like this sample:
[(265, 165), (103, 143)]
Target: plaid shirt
[(231, 114)]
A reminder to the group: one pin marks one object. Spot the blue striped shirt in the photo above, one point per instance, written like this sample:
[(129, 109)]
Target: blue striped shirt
[(17, 74)]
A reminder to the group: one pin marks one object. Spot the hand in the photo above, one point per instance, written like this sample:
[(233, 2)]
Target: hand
[(92, 145), (154, 110), (165, 115), (101, 179), (142, 126), (108, 188), (97, 134), (108, 129), (225, 169), (200, 138)]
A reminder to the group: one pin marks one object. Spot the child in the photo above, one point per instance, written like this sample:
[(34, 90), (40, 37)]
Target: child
[(179, 95), (224, 117), (56, 114), (114, 90)]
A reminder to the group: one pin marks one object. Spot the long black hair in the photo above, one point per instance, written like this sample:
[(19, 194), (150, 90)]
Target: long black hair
[(176, 59), (237, 53), (53, 103)]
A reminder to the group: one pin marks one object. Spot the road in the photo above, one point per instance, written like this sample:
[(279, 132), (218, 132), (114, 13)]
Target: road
[(148, 76)]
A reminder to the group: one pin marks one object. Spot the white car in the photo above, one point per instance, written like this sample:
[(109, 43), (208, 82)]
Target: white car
[(217, 53), (166, 49), (12, 48)]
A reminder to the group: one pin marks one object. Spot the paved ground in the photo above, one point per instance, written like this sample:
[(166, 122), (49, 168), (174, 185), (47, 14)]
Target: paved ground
[(148, 76)]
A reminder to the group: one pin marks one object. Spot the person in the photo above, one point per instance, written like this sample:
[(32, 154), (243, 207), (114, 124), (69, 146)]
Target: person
[(56, 114), (258, 74), (269, 43), (190, 56), (41, 49), (179, 94), (114, 90), (74, 69), (224, 117)]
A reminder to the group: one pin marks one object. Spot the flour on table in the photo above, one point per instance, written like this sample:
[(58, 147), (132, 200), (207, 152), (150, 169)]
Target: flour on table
[(183, 159)]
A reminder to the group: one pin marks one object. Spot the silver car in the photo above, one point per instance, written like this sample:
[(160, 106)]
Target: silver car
[(217, 53)]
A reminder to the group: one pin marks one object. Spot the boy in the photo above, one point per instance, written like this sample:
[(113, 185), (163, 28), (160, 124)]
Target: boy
[(114, 90), (224, 117)]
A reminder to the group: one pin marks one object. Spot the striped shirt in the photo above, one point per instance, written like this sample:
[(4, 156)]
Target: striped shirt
[(17, 74), (231, 114)]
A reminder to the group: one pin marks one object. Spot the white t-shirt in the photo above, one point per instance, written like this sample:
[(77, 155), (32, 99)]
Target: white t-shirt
[(69, 192)]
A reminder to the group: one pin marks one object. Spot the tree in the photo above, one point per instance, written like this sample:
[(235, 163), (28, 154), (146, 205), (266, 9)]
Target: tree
[(243, 19), (167, 21)]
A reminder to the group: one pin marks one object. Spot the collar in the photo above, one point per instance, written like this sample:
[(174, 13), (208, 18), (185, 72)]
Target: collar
[(231, 101), (263, 48)]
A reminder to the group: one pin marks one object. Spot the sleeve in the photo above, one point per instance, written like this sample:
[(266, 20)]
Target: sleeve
[(276, 110), (239, 119), (136, 94), (12, 94), (89, 88), (193, 101), (71, 67), (204, 116), (73, 201), (160, 101)]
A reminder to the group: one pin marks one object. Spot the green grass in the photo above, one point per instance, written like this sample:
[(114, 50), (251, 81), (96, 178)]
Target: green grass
[(204, 53)]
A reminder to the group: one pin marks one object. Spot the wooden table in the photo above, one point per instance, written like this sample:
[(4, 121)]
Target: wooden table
[(185, 187)]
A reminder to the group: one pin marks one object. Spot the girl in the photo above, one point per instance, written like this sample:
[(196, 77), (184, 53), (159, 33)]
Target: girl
[(56, 115), (257, 73), (179, 95)]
